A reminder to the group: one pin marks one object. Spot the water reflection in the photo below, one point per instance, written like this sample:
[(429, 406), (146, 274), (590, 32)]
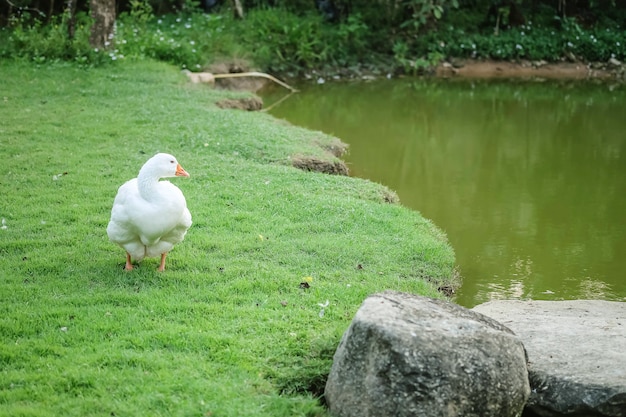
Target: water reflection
[(527, 179)]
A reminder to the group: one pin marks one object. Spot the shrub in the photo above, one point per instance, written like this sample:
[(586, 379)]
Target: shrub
[(283, 41), (525, 42), (279, 40), (31, 39)]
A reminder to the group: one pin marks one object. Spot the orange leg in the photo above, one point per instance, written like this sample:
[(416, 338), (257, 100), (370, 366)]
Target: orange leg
[(162, 265), (129, 265)]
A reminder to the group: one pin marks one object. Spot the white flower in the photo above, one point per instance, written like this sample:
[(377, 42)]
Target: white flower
[(321, 314)]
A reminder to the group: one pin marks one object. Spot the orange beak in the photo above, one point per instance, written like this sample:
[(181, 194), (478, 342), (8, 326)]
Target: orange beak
[(180, 171)]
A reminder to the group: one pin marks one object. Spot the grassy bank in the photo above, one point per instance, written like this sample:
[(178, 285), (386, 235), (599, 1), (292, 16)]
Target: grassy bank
[(227, 329)]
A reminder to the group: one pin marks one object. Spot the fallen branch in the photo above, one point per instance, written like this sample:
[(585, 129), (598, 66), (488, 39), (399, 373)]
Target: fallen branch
[(207, 77)]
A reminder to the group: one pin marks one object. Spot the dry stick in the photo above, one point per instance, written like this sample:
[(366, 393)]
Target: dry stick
[(255, 74)]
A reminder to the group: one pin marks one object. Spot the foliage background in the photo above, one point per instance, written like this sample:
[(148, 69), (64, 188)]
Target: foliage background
[(296, 36)]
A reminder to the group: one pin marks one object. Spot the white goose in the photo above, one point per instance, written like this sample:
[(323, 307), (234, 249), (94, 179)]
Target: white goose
[(150, 216)]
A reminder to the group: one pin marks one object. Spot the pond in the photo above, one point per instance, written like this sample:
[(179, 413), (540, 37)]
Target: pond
[(527, 178)]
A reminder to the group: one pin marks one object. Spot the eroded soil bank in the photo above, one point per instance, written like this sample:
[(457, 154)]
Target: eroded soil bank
[(613, 70)]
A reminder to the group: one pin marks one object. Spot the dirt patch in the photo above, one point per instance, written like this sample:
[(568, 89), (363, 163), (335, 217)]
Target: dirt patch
[(390, 197), (332, 164), (245, 103), (336, 147), (325, 166), (613, 70)]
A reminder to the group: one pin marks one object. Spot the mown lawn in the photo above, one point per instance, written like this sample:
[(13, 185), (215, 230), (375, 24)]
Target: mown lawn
[(227, 329)]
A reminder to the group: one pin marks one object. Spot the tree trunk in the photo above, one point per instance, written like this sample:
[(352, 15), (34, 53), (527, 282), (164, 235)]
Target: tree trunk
[(71, 21), (238, 9), (561, 8), (103, 13)]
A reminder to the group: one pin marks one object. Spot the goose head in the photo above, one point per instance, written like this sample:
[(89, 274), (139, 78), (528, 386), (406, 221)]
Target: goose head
[(162, 165)]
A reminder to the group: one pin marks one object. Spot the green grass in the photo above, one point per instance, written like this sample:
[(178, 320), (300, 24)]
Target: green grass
[(226, 330)]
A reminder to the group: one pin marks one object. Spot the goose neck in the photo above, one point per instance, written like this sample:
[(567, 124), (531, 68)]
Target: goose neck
[(148, 185)]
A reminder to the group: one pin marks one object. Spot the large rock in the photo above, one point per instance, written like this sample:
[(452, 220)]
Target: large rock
[(576, 351), (405, 355)]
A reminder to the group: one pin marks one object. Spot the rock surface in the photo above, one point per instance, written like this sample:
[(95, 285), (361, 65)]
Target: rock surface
[(406, 355), (576, 352)]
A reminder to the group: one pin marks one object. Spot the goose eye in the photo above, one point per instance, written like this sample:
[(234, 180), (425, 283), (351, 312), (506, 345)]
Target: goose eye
[(171, 162)]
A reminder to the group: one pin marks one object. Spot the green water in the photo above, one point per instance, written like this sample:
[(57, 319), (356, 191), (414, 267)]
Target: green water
[(528, 179)]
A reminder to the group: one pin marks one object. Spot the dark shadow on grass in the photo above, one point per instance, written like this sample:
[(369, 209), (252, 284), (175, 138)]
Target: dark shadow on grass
[(313, 385), (309, 378)]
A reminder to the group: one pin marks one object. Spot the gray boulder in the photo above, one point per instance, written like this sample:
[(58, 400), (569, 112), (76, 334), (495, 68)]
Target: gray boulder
[(406, 355), (576, 351)]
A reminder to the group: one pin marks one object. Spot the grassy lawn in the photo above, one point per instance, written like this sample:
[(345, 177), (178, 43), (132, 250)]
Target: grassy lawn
[(227, 329)]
